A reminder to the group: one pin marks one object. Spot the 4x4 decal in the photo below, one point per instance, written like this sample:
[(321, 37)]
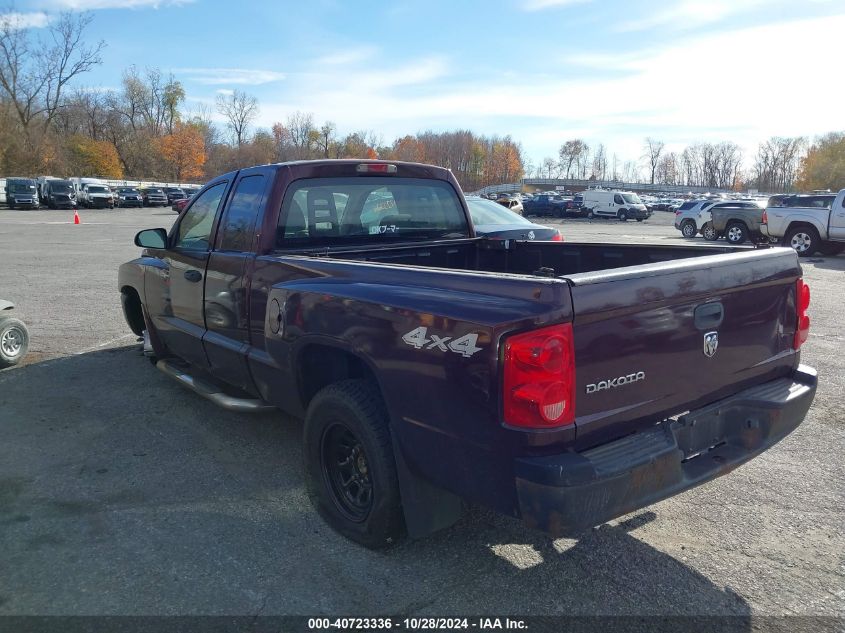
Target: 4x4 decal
[(464, 345)]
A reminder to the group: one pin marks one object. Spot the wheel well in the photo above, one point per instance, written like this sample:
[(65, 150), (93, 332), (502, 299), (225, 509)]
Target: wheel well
[(737, 223), (132, 311), (322, 365), (800, 225)]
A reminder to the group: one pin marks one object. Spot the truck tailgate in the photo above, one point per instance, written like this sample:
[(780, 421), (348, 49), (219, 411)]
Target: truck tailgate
[(656, 340)]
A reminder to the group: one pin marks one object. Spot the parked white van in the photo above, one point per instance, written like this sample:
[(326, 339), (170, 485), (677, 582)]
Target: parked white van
[(612, 203)]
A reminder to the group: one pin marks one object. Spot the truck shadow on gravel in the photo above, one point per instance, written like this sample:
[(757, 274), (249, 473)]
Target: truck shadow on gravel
[(155, 501)]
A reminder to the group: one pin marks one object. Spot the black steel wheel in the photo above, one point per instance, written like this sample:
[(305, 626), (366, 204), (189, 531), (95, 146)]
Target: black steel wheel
[(346, 472), (350, 469)]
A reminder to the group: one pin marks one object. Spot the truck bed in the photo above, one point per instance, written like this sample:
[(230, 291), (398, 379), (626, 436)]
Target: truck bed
[(548, 259)]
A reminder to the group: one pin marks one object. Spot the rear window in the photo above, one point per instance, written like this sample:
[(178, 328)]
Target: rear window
[(687, 205), (323, 211)]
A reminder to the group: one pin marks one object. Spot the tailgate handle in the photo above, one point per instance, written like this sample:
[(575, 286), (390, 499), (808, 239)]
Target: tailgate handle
[(709, 315)]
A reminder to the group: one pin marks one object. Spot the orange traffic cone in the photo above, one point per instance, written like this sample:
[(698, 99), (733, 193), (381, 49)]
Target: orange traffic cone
[(76, 219)]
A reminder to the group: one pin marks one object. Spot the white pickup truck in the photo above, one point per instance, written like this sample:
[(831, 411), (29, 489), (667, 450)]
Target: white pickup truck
[(808, 223)]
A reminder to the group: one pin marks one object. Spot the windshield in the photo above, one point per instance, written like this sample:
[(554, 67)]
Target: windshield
[(19, 187), (154, 191), (96, 189), (487, 212), (60, 187), (127, 191), (365, 210), (631, 198)]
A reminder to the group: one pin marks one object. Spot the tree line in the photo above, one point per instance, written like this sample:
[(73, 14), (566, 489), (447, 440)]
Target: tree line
[(143, 130)]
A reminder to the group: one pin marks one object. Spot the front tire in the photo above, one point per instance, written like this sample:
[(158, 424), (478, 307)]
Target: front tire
[(590, 214), (622, 215), (14, 341), (803, 240), (350, 470)]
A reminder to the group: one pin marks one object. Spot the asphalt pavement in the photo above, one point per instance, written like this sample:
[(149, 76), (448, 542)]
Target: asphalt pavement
[(123, 493)]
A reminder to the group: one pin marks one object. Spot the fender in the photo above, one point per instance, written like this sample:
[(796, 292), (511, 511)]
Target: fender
[(6, 305)]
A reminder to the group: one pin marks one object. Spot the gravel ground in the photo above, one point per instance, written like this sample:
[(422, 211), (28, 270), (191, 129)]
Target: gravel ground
[(122, 493)]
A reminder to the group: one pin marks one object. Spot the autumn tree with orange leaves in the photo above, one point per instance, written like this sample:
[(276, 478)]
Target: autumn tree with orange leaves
[(93, 158), (183, 152)]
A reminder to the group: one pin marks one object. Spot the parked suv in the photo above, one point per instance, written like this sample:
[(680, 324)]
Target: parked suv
[(154, 197), (173, 194), (129, 197)]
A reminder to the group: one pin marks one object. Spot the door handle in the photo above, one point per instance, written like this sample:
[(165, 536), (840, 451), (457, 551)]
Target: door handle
[(193, 275), (709, 315)]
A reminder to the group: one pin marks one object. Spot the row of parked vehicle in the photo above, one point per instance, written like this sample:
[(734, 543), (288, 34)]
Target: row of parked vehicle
[(593, 203), (809, 223), (71, 193)]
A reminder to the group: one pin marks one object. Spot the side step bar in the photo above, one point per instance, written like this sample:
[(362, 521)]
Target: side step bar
[(214, 393)]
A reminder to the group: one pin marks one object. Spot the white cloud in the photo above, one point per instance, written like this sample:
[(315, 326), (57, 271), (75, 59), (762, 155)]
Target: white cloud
[(16, 21), (225, 91), (236, 76), (691, 14), (539, 5), (347, 56), (724, 85), (92, 5)]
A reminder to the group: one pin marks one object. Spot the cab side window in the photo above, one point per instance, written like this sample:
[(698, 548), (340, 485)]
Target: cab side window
[(194, 230), (238, 227), (618, 199)]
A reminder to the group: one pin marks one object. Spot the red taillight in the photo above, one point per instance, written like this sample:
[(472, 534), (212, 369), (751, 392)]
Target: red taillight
[(375, 168), (539, 378), (557, 237), (802, 323), (765, 218)]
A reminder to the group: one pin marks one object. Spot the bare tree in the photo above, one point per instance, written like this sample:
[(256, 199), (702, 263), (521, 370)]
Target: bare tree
[(653, 148), (600, 163), (35, 72), (240, 110), (571, 154)]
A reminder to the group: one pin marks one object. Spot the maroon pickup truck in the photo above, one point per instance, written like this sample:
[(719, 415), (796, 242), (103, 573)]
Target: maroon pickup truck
[(563, 383)]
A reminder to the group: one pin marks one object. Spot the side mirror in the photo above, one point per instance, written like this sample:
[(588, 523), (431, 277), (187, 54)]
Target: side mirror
[(151, 238)]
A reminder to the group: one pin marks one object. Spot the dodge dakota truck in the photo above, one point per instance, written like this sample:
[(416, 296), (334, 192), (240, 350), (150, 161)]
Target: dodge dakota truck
[(562, 383)]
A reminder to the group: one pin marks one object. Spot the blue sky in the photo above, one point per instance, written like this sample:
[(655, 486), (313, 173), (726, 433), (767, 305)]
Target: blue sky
[(543, 71)]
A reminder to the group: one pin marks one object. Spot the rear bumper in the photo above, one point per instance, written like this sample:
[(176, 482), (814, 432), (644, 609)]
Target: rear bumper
[(566, 494)]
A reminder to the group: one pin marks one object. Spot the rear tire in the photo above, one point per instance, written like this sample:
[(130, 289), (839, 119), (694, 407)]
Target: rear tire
[(736, 233), (350, 469), (14, 341), (804, 240)]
